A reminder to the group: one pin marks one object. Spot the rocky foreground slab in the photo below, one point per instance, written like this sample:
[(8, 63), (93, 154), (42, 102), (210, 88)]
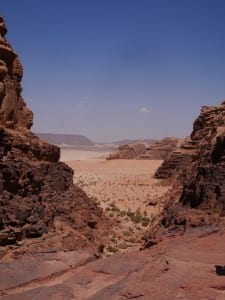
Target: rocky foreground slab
[(179, 267)]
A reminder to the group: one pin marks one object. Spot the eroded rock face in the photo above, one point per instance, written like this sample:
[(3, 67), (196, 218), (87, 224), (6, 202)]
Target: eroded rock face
[(128, 151), (37, 196), (201, 180), (13, 111), (178, 159), (204, 181), (180, 267), (160, 150)]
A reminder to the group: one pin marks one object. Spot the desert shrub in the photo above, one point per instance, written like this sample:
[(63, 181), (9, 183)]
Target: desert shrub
[(123, 213), (144, 223), (136, 219), (130, 214), (112, 249), (95, 200), (115, 208), (146, 219), (123, 246)]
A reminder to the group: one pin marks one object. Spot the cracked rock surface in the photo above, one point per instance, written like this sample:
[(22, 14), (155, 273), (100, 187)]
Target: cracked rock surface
[(179, 267)]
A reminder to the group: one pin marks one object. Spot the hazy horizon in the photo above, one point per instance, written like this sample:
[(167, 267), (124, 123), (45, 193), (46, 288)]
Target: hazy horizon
[(111, 70), (103, 141)]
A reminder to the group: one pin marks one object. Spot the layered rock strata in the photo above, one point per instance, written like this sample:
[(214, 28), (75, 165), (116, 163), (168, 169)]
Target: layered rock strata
[(160, 150), (127, 152), (199, 176), (177, 159), (180, 267), (37, 196)]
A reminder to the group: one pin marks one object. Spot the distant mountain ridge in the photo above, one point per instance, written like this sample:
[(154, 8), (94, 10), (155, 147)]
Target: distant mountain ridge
[(66, 139), (81, 140), (137, 141)]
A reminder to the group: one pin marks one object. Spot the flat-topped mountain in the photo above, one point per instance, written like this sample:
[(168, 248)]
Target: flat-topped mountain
[(135, 141), (65, 139)]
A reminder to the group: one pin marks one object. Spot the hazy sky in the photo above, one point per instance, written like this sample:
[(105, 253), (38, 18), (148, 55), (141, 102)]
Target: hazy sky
[(113, 69)]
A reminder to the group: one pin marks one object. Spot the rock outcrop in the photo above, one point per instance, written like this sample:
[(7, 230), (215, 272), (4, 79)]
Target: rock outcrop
[(128, 152), (180, 267), (160, 150), (177, 159), (199, 174), (37, 196), (13, 110)]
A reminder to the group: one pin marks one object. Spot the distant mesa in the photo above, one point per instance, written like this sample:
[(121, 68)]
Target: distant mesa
[(65, 139), (135, 141), (77, 140), (159, 150)]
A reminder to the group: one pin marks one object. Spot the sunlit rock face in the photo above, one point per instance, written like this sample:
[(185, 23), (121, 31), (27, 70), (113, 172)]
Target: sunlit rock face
[(198, 172), (13, 110), (37, 195)]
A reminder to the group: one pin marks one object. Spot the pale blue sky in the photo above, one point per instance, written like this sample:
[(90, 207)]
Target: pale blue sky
[(113, 69)]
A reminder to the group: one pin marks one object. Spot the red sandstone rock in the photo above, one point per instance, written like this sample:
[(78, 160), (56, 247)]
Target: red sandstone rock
[(180, 267), (41, 211), (160, 150), (128, 151), (37, 196), (197, 170)]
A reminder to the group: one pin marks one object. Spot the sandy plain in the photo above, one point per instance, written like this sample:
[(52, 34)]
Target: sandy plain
[(125, 189)]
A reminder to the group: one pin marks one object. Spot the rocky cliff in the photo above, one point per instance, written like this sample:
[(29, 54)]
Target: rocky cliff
[(37, 196), (41, 210), (159, 150), (127, 152), (198, 173), (178, 159)]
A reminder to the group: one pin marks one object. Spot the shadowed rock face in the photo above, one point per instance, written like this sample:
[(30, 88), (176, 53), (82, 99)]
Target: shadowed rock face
[(200, 173), (37, 196), (204, 181)]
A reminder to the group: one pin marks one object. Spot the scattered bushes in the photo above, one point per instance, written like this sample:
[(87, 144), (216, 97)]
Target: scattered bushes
[(136, 217)]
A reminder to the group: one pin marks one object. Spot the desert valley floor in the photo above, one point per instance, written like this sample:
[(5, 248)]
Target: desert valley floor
[(125, 189)]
